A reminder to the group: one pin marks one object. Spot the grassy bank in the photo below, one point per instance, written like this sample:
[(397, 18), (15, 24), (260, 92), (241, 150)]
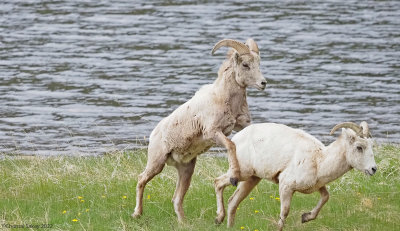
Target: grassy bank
[(98, 193)]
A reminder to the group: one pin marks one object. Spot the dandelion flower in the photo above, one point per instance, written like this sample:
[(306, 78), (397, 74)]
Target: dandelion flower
[(75, 220), (277, 198), (237, 208), (242, 227), (123, 197), (379, 198), (251, 198), (79, 197), (82, 201), (256, 230), (148, 197), (64, 212), (256, 211), (87, 210)]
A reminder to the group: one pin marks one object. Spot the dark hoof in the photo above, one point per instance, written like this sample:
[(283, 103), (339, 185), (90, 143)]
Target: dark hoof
[(217, 221), (234, 181), (304, 217)]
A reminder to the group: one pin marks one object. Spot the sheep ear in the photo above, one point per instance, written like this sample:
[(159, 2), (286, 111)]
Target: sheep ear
[(237, 58), (348, 133)]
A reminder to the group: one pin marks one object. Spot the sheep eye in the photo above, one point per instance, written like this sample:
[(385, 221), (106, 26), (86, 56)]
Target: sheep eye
[(246, 65), (359, 148)]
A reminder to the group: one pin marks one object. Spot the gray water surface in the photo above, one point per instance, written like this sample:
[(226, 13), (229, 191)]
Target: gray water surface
[(87, 77)]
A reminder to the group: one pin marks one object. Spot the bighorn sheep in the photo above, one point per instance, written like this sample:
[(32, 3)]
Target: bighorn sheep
[(206, 119), (296, 161)]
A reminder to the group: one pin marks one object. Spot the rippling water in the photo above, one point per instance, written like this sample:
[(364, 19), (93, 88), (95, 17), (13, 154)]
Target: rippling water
[(93, 76)]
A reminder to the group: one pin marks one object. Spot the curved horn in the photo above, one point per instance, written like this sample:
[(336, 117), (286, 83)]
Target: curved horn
[(365, 129), (252, 45), (350, 125), (241, 48)]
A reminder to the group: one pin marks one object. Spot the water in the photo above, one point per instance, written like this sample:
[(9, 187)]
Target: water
[(87, 77)]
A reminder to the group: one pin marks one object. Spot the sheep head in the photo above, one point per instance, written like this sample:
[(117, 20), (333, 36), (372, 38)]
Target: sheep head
[(358, 142), (245, 61)]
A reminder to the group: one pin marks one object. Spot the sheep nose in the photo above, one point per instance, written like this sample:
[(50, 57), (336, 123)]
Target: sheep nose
[(374, 169), (263, 83)]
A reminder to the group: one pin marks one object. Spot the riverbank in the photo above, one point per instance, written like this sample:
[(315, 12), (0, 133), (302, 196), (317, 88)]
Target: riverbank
[(98, 193)]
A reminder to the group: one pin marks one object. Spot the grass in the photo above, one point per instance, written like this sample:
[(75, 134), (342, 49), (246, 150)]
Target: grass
[(98, 193)]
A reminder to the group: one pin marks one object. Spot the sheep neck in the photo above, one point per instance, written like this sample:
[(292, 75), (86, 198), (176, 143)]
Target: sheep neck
[(333, 163), (228, 89)]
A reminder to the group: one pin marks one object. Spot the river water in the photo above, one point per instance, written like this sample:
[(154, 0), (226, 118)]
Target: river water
[(87, 77)]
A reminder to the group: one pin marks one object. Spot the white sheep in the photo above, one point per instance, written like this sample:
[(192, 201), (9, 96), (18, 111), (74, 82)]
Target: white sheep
[(206, 119), (296, 161)]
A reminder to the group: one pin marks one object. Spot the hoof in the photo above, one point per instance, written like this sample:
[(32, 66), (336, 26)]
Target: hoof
[(136, 215), (181, 220), (234, 181), (217, 221), (304, 218)]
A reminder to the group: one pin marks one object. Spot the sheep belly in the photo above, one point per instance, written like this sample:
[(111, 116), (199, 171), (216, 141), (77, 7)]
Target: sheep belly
[(193, 149)]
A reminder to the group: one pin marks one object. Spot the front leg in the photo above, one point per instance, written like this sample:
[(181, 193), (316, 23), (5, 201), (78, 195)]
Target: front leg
[(232, 159), (185, 172), (242, 121), (286, 195), (314, 213), (244, 118)]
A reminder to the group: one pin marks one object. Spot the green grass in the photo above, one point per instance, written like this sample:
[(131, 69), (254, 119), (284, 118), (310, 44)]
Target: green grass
[(37, 190)]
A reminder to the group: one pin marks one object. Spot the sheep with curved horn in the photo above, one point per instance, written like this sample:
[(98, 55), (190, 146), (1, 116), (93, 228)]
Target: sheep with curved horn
[(203, 121), (296, 161), (361, 130)]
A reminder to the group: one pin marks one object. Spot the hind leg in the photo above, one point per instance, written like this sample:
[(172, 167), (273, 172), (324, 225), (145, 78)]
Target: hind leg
[(185, 172), (220, 184), (155, 165), (241, 192)]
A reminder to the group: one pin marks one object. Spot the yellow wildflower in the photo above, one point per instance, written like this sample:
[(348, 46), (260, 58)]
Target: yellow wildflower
[(82, 201), (256, 211), (148, 197), (379, 198), (251, 198), (79, 197), (64, 212), (237, 208), (87, 210), (75, 220), (79, 214), (242, 227), (103, 196), (272, 197), (277, 198), (256, 230), (123, 197)]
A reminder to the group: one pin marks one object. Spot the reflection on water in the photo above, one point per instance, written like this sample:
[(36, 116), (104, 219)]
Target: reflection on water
[(94, 76)]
